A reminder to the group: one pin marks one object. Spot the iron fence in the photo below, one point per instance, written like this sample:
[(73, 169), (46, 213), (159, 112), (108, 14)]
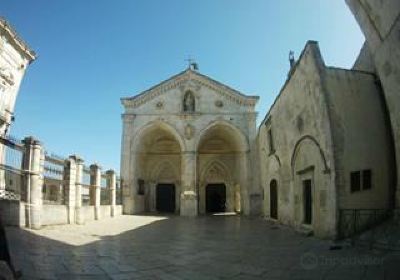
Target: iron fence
[(355, 221), (104, 191), (118, 192), (86, 176), (53, 191), (11, 171), (86, 187), (85, 195)]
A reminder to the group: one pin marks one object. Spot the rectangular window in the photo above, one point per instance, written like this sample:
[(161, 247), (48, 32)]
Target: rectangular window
[(367, 179), (270, 142), (355, 182)]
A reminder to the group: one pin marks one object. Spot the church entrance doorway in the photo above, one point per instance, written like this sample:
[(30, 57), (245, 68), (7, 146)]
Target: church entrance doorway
[(215, 198), (165, 198)]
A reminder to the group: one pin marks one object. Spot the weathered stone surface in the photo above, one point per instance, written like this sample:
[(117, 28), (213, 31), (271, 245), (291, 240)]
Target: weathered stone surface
[(162, 247), (317, 132), (189, 131)]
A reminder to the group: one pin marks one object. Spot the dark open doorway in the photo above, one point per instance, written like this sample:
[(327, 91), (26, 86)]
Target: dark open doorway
[(273, 196), (165, 198), (307, 198), (215, 198)]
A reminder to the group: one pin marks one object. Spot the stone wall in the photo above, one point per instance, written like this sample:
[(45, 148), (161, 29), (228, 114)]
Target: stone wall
[(380, 23), (362, 137), (30, 204)]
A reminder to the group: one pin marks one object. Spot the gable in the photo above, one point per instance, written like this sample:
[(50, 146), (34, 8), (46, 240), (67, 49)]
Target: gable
[(193, 81)]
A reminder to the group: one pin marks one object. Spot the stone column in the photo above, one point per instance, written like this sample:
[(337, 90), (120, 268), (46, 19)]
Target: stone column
[(33, 167), (189, 193), (95, 183), (111, 186), (70, 188), (244, 185), (79, 218), (128, 179)]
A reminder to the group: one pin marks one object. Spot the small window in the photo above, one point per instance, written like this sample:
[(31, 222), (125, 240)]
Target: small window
[(355, 182), (367, 176), (270, 142)]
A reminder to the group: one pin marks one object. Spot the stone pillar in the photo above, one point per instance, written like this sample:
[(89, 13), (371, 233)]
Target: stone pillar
[(111, 186), (189, 200), (244, 185), (70, 188), (33, 166), (95, 183), (79, 218)]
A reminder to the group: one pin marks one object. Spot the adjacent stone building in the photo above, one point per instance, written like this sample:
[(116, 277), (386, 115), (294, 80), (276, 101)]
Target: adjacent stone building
[(326, 145), (380, 23), (15, 56), (188, 146)]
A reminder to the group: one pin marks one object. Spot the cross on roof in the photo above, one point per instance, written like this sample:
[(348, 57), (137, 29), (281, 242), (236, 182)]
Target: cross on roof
[(192, 64)]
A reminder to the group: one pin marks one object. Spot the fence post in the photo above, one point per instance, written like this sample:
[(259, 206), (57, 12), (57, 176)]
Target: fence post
[(33, 167), (79, 218), (95, 184), (111, 186), (70, 187)]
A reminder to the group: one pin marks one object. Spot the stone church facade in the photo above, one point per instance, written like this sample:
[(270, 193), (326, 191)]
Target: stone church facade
[(188, 147)]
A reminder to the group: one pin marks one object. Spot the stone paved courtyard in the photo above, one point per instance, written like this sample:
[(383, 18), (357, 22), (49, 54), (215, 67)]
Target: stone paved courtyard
[(218, 247)]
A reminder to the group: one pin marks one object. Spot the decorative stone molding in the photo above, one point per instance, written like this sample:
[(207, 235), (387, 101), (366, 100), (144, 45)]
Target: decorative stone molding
[(189, 131), (189, 80)]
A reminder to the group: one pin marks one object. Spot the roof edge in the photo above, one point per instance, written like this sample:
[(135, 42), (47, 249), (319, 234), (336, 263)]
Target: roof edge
[(29, 53)]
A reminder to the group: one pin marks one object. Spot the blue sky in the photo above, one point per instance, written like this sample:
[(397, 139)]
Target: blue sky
[(93, 52)]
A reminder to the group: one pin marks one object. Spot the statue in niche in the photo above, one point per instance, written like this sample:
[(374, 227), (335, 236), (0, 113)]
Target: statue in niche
[(188, 102)]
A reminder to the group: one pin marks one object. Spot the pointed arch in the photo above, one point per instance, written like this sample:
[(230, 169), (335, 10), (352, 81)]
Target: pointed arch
[(157, 124), (313, 141), (234, 133), (165, 166), (215, 166)]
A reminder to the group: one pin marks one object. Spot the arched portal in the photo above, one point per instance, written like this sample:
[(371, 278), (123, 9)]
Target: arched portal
[(222, 168), (157, 161), (311, 181)]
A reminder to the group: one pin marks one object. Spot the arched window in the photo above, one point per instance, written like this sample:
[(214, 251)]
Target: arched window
[(189, 102)]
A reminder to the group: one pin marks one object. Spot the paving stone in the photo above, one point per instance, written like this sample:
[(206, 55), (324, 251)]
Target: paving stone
[(154, 247)]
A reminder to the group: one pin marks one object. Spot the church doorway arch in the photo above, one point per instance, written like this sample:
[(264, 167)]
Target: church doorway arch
[(157, 168), (222, 165)]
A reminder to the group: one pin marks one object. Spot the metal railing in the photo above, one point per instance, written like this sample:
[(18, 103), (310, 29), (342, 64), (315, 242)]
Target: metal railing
[(118, 192), (86, 187), (11, 172), (104, 191), (355, 221), (53, 184)]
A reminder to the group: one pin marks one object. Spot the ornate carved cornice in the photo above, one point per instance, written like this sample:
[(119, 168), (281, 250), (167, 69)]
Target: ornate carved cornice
[(5, 28), (194, 79)]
